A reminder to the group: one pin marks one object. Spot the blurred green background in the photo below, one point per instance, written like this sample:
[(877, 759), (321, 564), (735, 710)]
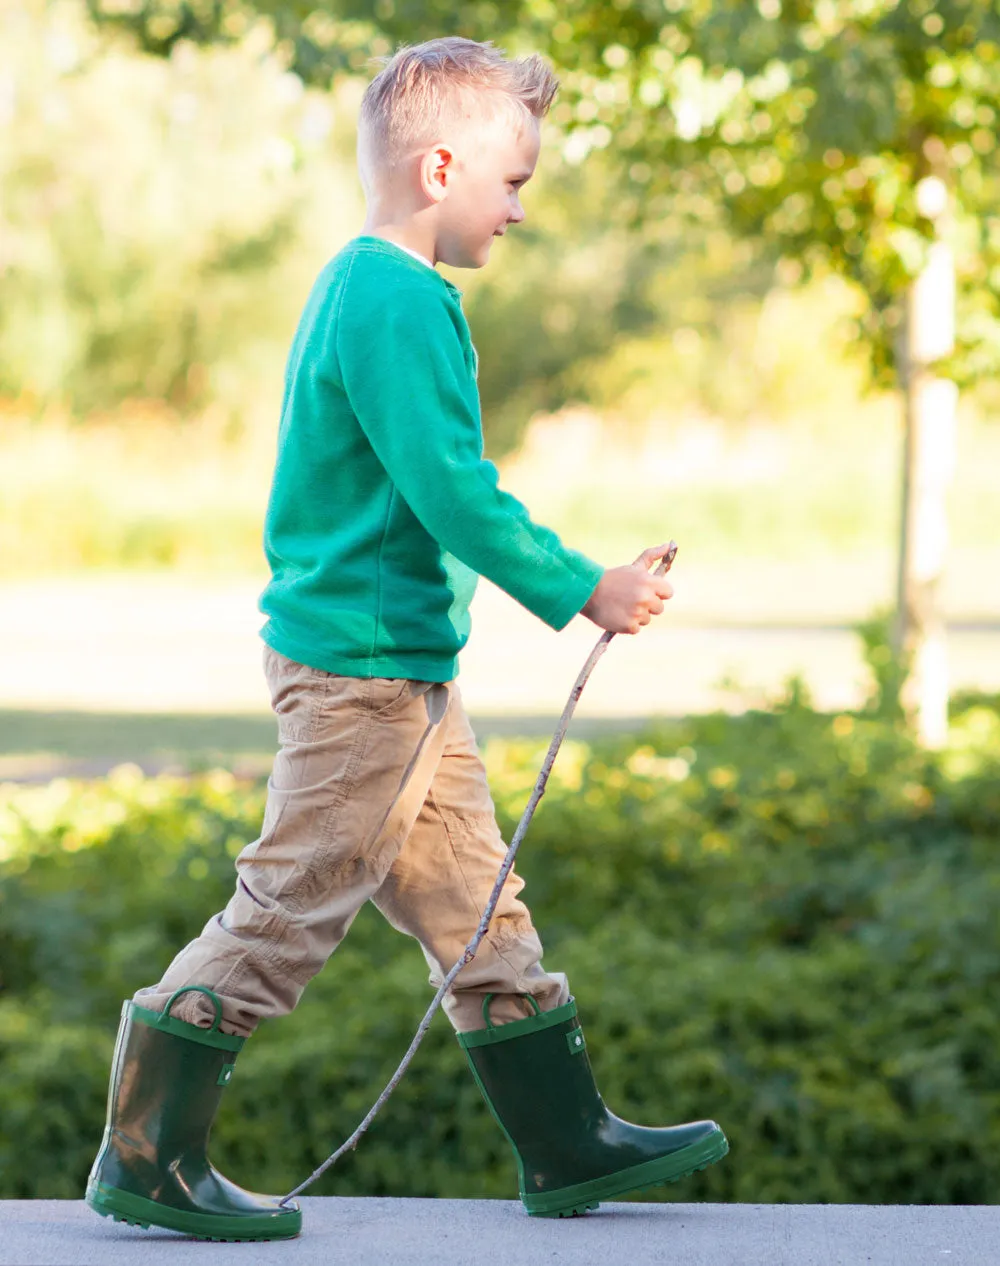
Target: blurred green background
[(776, 909)]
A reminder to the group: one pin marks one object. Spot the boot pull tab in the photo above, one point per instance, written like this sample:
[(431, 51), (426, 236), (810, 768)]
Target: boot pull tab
[(216, 1002), (491, 1027)]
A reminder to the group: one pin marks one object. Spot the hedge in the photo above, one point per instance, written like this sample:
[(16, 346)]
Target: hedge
[(787, 921)]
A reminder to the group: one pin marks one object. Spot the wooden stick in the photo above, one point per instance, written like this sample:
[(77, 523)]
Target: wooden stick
[(508, 862)]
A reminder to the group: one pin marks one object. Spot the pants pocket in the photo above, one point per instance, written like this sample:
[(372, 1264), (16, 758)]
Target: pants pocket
[(385, 695)]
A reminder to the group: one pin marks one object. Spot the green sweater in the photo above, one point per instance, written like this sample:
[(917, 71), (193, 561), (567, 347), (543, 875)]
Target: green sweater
[(382, 510)]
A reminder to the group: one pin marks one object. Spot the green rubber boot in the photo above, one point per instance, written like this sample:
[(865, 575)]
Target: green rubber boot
[(153, 1169), (571, 1151)]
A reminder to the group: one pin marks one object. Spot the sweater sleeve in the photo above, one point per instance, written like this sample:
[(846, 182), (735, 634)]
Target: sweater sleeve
[(403, 367)]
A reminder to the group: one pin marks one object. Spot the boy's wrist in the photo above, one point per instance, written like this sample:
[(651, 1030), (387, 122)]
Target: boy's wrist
[(589, 606)]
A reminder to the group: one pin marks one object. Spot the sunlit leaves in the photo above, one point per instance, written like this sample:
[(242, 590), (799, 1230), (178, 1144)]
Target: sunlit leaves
[(659, 85), (895, 90)]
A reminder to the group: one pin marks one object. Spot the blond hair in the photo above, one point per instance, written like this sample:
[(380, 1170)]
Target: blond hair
[(445, 79)]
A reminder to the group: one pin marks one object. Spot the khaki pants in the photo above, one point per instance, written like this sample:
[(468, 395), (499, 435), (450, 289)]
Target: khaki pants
[(377, 792)]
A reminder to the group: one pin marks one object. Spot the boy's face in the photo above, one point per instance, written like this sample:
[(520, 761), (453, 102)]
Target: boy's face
[(484, 178)]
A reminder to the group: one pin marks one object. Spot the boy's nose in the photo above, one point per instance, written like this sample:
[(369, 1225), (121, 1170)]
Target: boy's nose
[(516, 214)]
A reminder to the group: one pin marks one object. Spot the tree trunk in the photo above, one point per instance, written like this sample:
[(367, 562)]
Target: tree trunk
[(929, 457)]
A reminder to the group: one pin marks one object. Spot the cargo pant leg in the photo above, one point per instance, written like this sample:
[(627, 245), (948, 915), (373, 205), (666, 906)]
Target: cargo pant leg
[(439, 884), (357, 758)]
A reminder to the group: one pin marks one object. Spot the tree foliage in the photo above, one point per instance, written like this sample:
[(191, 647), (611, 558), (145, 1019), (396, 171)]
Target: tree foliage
[(139, 243), (805, 122), (155, 259)]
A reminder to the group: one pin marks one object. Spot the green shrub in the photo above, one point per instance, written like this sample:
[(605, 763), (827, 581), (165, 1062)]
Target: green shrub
[(785, 920)]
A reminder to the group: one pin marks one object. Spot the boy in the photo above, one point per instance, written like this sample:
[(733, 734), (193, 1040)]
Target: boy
[(381, 515)]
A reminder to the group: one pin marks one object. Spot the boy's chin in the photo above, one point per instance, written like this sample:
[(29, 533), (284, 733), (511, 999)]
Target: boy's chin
[(469, 256)]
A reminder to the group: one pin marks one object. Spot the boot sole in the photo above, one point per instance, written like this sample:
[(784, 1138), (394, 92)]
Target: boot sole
[(138, 1211), (569, 1202)]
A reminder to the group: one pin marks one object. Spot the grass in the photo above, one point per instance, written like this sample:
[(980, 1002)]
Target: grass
[(805, 470), (789, 515), (143, 494), (37, 745), (190, 499), (805, 489), (145, 738)]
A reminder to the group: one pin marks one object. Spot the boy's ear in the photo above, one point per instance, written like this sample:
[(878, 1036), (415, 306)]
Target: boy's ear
[(435, 172)]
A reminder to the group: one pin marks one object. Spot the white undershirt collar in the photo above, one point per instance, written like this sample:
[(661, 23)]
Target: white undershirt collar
[(416, 255)]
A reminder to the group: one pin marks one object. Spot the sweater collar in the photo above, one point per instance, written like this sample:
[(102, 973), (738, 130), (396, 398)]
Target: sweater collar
[(401, 252)]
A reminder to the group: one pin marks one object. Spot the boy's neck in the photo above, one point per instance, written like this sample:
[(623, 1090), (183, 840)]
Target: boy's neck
[(410, 236)]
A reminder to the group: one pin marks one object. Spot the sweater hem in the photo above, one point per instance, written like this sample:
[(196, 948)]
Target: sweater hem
[(412, 667)]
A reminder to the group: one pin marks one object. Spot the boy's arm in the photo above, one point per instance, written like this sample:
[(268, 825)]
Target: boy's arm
[(402, 367)]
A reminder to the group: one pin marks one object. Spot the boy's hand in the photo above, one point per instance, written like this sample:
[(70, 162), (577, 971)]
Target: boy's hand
[(626, 598)]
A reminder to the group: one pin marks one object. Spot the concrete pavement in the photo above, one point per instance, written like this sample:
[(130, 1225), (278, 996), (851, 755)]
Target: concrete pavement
[(168, 644), (392, 1232)]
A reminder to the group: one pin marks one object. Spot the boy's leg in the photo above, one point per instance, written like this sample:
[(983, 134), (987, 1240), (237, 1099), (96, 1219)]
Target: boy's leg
[(439, 884), (572, 1152), (357, 757)]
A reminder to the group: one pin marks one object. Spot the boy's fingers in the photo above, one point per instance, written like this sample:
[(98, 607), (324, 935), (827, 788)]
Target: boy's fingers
[(652, 555), (664, 589)]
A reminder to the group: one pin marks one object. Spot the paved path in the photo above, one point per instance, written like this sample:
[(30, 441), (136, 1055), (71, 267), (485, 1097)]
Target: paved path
[(135, 644), (391, 1232)]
